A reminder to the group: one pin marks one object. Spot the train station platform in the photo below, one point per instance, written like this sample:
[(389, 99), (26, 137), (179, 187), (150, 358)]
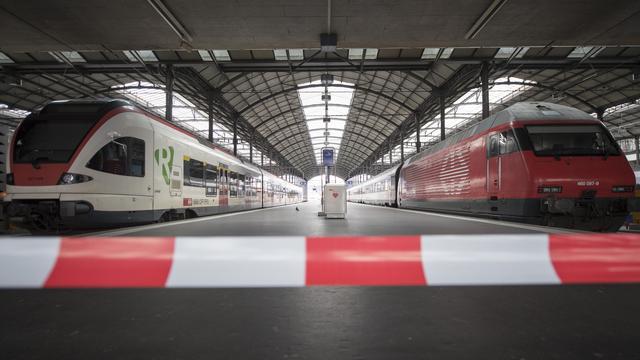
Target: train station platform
[(302, 219)]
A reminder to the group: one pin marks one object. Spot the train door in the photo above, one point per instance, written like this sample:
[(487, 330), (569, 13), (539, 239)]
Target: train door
[(494, 166), (223, 199)]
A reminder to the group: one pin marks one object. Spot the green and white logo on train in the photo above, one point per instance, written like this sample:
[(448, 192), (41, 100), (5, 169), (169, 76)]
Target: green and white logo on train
[(164, 159)]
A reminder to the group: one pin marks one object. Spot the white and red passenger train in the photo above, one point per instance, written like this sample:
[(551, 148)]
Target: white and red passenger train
[(87, 164), (533, 162)]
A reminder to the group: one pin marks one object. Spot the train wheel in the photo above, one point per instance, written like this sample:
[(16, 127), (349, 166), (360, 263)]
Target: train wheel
[(190, 214)]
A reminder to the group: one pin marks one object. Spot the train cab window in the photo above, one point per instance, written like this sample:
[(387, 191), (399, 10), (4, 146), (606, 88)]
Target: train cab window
[(122, 156), (559, 140), (211, 180), (507, 142), (493, 148)]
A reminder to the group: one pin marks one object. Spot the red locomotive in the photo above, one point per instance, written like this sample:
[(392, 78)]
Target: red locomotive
[(533, 162)]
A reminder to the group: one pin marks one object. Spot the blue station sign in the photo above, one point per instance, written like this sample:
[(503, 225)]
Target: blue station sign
[(327, 156)]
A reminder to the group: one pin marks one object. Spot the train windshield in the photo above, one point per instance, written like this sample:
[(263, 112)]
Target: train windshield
[(50, 139), (563, 140)]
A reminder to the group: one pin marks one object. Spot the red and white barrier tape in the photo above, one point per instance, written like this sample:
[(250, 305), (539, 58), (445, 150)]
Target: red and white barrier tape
[(300, 261)]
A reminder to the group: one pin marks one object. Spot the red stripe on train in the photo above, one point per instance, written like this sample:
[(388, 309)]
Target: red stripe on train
[(112, 262), (611, 258), (365, 260)]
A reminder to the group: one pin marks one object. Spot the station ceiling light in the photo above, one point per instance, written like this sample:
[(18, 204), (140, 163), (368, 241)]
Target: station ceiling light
[(171, 20)]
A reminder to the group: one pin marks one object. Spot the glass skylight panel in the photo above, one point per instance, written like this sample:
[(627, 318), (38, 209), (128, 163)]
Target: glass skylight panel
[(446, 53), (147, 55), (6, 112), (205, 55), (580, 52), (521, 53), (430, 53), (185, 113), (58, 58), (73, 56), (4, 59), (130, 56), (371, 54), (314, 112), (280, 54), (296, 54), (468, 108), (505, 52), (355, 54), (221, 55)]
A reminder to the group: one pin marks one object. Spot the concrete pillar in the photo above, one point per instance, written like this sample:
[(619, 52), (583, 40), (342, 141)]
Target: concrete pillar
[(235, 135), (169, 93), (261, 159), (402, 146), (417, 133), (210, 113), (442, 121), (484, 79)]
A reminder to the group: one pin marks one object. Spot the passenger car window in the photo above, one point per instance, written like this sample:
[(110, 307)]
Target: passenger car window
[(122, 156), (233, 184), (211, 180), (193, 173)]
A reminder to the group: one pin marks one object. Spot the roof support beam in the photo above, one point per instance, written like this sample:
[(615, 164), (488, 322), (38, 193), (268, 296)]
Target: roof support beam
[(210, 114), (170, 77), (484, 80), (235, 135), (417, 123)]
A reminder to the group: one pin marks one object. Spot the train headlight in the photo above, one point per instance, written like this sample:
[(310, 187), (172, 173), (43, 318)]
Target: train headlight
[(549, 189), (69, 178), (622, 189)]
